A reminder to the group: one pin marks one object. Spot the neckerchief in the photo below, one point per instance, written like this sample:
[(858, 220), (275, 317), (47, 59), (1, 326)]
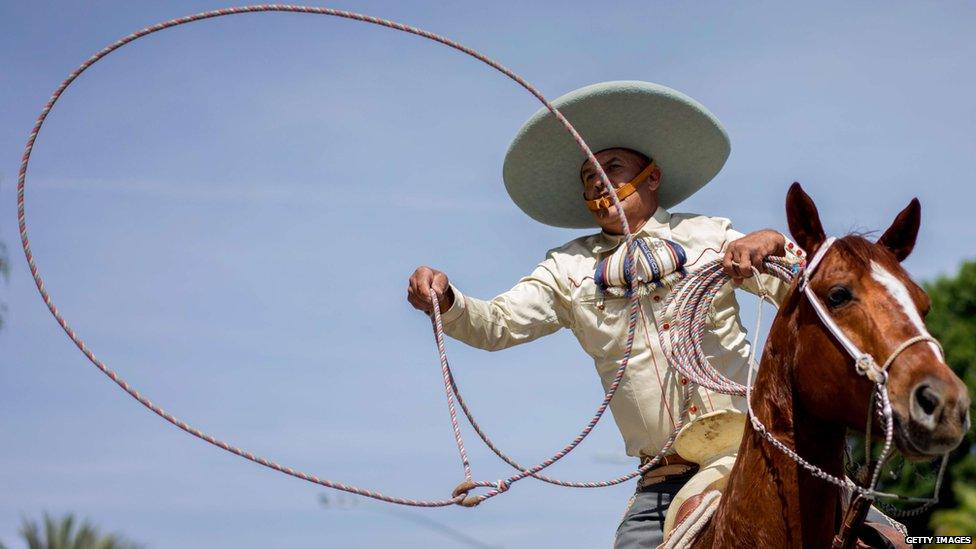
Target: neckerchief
[(660, 263)]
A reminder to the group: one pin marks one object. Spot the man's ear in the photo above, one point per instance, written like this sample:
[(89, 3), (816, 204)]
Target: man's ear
[(654, 180), (900, 236), (804, 220)]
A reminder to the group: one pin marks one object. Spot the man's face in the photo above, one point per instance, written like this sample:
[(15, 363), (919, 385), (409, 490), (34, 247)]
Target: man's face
[(621, 166)]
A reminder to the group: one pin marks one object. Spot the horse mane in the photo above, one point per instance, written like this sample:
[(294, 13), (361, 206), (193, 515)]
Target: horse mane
[(858, 248)]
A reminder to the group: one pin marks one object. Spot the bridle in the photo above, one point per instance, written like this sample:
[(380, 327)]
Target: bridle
[(865, 365)]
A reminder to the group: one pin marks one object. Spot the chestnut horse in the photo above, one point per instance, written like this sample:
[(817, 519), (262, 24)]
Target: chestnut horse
[(808, 393)]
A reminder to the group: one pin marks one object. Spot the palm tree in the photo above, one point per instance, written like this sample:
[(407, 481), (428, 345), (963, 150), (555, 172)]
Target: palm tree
[(60, 533)]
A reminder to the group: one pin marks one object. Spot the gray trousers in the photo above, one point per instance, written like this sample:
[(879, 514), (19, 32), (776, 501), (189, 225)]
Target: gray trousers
[(643, 524)]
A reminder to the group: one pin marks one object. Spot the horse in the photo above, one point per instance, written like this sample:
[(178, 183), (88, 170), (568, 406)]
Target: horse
[(808, 392)]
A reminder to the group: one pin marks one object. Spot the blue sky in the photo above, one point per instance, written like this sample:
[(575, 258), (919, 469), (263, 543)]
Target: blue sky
[(228, 211)]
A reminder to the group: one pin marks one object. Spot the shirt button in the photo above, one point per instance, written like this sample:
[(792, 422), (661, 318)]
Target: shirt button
[(684, 380), (665, 326), (693, 409), (790, 245), (657, 298)]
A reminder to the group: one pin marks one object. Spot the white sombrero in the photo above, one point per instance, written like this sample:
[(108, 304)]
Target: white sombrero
[(543, 162)]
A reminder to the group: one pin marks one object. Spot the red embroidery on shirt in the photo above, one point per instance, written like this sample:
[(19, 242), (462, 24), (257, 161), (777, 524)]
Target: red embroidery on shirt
[(697, 259), (647, 340), (580, 283)]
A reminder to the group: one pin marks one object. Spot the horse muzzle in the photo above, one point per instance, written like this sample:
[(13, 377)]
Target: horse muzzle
[(937, 418)]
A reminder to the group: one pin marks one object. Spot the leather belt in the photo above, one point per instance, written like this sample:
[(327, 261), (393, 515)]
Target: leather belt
[(671, 465)]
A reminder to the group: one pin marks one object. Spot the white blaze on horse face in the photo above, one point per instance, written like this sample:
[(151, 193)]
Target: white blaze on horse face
[(898, 291)]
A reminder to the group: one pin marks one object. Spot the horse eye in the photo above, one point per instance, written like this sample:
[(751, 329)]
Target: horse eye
[(839, 295)]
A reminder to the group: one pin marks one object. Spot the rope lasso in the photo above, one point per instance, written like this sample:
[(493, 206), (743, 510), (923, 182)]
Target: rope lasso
[(686, 350), (450, 387), (502, 485)]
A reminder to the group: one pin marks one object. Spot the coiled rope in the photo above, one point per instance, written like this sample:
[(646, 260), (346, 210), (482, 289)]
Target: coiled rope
[(689, 304)]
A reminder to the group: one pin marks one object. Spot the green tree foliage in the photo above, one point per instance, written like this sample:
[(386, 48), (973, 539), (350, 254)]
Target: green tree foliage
[(960, 520), (952, 320), (61, 533)]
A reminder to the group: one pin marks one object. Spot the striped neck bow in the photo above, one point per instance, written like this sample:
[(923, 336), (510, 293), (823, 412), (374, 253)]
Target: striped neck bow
[(660, 263)]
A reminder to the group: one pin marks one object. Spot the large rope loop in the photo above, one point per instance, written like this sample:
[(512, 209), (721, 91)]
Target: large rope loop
[(89, 354)]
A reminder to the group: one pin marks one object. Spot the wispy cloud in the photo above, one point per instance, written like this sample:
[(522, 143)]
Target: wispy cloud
[(278, 193)]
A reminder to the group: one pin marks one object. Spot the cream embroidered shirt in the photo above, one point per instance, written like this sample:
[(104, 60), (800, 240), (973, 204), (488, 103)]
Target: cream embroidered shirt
[(561, 293)]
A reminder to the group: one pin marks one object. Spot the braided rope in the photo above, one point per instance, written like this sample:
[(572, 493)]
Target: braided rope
[(450, 388), (686, 401), (690, 304), (502, 485)]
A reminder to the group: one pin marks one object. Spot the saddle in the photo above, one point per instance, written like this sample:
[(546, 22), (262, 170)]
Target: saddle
[(712, 441)]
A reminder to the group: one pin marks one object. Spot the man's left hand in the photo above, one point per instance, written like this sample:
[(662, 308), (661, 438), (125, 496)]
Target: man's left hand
[(749, 251)]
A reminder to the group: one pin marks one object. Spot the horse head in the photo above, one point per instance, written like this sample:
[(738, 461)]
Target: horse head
[(880, 309)]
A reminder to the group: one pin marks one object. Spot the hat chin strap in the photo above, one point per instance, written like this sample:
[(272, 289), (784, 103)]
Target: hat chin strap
[(623, 191)]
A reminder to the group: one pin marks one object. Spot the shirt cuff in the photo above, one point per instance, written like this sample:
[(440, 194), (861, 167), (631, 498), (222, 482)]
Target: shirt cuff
[(794, 254), (457, 307)]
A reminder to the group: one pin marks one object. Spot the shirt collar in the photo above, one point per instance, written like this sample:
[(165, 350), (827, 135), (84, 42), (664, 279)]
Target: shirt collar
[(659, 225)]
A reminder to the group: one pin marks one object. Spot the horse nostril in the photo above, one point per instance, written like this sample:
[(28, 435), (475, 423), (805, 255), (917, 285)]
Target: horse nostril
[(927, 399)]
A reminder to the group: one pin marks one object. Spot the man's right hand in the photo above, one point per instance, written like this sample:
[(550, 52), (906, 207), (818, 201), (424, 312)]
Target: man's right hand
[(418, 290)]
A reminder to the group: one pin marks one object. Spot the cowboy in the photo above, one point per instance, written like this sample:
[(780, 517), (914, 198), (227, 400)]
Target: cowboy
[(657, 147)]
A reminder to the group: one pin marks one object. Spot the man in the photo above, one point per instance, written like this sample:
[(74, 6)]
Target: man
[(657, 147)]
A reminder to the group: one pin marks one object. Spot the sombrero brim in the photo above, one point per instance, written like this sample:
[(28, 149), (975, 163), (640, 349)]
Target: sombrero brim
[(542, 166)]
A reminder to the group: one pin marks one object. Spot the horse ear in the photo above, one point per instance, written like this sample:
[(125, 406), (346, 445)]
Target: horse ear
[(900, 236), (803, 219)]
